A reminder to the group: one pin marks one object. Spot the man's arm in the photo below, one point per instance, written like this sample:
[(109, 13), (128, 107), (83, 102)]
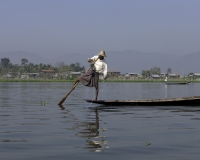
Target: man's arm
[(93, 59), (105, 72), (90, 60)]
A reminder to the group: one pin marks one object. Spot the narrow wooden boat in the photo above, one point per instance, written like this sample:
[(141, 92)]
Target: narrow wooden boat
[(185, 101), (176, 83)]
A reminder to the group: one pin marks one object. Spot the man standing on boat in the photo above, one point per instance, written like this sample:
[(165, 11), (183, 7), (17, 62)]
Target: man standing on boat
[(91, 77)]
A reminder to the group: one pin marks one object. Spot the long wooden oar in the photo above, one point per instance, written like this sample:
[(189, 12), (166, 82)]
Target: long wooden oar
[(64, 98), (74, 86)]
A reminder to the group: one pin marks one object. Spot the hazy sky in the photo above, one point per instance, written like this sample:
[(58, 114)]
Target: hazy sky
[(55, 27)]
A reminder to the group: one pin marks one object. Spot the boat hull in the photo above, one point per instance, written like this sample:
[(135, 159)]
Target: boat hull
[(176, 83), (185, 101)]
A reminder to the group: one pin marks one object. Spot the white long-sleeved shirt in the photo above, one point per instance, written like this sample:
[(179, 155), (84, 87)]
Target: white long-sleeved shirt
[(100, 66)]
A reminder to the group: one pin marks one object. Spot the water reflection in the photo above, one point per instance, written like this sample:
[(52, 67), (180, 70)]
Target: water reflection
[(91, 131), (95, 141), (61, 107)]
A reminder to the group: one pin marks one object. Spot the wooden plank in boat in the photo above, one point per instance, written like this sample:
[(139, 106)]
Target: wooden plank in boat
[(185, 101)]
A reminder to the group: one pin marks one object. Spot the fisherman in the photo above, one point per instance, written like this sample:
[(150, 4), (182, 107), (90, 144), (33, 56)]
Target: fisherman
[(91, 77)]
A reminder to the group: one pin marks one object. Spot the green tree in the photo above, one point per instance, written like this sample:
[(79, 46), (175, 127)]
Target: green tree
[(155, 70), (146, 73), (5, 65), (24, 61), (31, 68), (5, 62), (169, 70), (76, 67)]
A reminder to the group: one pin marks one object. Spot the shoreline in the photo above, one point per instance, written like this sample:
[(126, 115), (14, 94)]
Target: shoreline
[(114, 80)]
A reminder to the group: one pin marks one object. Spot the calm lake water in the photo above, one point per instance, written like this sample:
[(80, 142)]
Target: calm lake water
[(34, 127)]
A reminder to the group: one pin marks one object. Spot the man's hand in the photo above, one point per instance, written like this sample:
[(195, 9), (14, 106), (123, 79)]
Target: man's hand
[(90, 60), (104, 79)]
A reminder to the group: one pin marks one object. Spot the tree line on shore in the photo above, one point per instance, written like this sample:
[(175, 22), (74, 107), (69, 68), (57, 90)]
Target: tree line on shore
[(25, 67), (154, 71)]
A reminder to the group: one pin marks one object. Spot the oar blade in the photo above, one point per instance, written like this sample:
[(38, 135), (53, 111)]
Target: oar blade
[(61, 102)]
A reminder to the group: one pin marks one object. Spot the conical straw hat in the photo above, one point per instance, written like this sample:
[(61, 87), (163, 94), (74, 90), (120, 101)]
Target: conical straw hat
[(102, 53)]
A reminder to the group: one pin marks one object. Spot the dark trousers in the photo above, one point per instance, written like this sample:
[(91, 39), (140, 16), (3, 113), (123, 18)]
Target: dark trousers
[(90, 79)]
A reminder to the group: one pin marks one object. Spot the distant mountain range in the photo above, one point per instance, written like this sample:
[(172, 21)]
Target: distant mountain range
[(124, 62)]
